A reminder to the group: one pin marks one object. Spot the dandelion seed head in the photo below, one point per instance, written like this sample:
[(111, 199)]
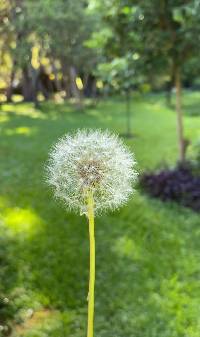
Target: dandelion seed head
[(91, 161)]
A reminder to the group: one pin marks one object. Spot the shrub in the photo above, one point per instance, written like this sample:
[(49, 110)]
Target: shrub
[(179, 184)]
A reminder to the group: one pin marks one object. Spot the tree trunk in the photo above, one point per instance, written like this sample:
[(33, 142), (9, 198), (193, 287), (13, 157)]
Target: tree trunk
[(26, 85), (179, 115), (128, 114), (44, 84), (34, 78), (94, 89), (74, 89), (30, 84), (65, 79), (169, 94), (57, 81), (89, 84), (169, 87), (9, 90)]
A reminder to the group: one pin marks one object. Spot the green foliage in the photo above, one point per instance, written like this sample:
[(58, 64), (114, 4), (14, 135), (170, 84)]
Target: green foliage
[(161, 34), (117, 74), (152, 38), (147, 253), (58, 29), (69, 25)]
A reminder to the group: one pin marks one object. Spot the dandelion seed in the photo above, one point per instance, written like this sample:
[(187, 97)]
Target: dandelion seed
[(105, 166)]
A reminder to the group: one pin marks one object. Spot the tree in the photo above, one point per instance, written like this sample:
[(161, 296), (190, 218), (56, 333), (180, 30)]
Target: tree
[(161, 33), (46, 39), (167, 29), (117, 65), (62, 28), (119, 76)]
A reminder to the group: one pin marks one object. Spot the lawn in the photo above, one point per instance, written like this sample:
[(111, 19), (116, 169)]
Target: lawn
[(148, 253)]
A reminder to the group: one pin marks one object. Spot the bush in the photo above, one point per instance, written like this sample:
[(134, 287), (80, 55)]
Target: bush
[(179, 184)]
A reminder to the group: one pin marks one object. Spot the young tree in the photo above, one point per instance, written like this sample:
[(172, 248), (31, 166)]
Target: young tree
[(167, 29), (117, 64), (119, 76)]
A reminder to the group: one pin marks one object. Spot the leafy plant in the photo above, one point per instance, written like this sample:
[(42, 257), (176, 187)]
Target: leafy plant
[(179, 184)]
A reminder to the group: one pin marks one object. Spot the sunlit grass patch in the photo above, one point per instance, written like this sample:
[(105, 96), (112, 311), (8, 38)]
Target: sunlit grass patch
[(43, 320), (126, 246), (3, 118), (23, 109), (22, 220), (22, 130)]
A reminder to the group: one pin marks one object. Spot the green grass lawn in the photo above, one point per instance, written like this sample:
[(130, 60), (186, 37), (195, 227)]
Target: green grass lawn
[(148, 253)]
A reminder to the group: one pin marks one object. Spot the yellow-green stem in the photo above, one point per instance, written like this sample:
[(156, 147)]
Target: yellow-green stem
[(90, 331)]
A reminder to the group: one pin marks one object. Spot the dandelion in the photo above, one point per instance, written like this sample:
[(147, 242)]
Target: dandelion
[(92, 172)]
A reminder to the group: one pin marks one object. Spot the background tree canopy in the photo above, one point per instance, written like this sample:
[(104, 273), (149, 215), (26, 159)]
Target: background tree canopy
[(83, 49)]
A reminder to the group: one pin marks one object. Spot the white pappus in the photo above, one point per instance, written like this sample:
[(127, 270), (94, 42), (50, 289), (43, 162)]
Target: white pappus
[(91, 160)]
